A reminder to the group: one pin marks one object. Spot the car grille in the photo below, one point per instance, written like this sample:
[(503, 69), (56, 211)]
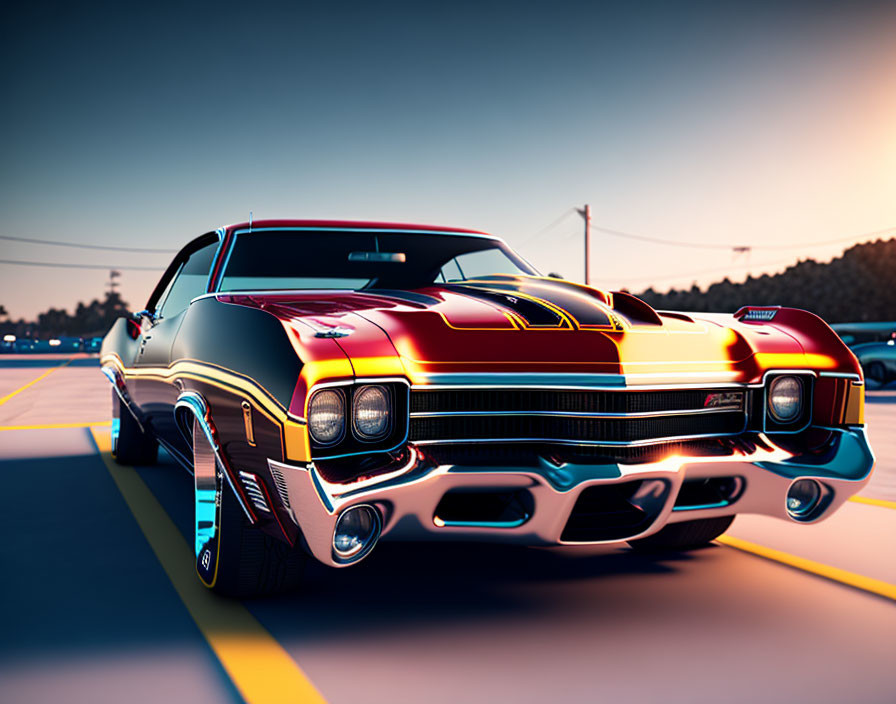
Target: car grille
[(572, 416), (533, 454)]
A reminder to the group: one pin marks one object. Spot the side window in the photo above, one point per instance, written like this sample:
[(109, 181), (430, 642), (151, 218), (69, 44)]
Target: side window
[(451, 271), (189, 282)]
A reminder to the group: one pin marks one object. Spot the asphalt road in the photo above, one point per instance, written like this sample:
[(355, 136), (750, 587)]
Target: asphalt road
[(89, 612)]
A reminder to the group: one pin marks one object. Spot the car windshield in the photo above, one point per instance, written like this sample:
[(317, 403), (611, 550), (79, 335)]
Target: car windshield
[(327, 259)]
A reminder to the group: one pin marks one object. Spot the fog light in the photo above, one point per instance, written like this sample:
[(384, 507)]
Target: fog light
[(802, 498), (356, 532)]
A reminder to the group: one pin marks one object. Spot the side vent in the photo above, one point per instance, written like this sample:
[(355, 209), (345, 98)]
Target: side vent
[(280, 483), (752, 314), (254, 491)]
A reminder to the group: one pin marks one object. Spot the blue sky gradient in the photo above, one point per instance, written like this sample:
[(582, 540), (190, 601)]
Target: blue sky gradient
[(766, 124)]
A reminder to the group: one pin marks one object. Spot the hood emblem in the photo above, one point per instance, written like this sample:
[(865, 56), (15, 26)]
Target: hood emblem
[(338, 331)]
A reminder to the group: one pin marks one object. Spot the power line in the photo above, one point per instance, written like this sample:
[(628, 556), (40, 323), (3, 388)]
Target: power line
[(88, 246), (63, 265), (565, 214), (705, 245)]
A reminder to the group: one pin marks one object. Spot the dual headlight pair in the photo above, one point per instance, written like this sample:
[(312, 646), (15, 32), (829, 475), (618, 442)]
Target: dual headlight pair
[(371, 414)]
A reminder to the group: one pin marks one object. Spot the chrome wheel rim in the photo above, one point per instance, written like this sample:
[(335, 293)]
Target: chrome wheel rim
[(207, 482)]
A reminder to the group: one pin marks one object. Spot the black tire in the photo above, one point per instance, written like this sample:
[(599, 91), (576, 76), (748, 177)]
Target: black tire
[(237, 559), (131, 445), (876, 373), (683, 536)]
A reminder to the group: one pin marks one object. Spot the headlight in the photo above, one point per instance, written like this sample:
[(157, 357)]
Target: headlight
[(785, 398), (372, 412), (326, 416)]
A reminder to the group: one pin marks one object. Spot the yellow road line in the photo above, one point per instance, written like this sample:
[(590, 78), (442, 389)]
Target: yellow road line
[(34, 381), (874, 586), (873, 502), (261, 669), (52, 426)]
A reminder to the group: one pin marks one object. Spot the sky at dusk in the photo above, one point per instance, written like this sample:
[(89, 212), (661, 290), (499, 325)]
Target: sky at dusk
[(771, 125)]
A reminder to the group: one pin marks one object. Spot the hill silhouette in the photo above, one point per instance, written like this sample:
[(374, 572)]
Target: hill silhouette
[(858, 286)]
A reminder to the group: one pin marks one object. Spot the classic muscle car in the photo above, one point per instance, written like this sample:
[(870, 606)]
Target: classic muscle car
[(329, 384)]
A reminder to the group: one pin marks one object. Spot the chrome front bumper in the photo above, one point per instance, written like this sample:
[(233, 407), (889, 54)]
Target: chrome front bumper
[(407, 498)]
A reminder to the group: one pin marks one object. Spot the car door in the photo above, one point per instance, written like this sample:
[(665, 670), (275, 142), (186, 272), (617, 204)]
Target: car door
[(156, 387)]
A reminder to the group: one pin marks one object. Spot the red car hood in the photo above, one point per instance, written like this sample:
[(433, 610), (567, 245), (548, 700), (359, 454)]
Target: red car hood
[(524, 325)]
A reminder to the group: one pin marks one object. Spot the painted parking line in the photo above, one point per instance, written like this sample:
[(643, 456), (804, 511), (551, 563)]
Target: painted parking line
[(873, 502), (259, 667), (857, 581), (33, 381), (53, 426)]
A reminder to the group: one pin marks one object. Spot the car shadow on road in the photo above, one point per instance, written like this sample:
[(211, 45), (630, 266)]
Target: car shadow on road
[(421, 584), (425, 584)]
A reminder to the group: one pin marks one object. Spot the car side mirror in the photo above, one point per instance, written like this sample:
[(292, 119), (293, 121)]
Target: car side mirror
[(145, 318)]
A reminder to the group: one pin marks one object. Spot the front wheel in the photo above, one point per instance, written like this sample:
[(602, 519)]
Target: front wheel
[(234, 557), (683, 536)]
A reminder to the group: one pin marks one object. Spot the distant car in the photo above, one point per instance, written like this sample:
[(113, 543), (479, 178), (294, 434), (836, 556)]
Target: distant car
[(93, 344), (878, 360), (858, 333), (65, 344), (329, 383)]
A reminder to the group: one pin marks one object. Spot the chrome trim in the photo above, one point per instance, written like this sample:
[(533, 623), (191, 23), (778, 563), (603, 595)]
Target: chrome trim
[(195, 404), (572, 414), (358, 382), (220, 232), (351, 558), (390, 230), (842, 375), (334, 332), (125, 397), (442, 523), (808, 399), (254, 492), (280, 484), (588, 443), (702, 507), (395, 231), (569, 382), (178, 456), (408, 497)]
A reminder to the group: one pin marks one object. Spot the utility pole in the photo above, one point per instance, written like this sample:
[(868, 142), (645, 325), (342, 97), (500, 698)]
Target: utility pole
[(586, 215)]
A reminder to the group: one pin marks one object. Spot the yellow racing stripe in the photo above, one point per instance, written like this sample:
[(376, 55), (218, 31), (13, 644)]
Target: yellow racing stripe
[(259, 667), (851, 579)]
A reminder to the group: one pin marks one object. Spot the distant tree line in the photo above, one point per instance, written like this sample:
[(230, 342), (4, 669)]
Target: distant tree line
[(858, 286), (89, 320)]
